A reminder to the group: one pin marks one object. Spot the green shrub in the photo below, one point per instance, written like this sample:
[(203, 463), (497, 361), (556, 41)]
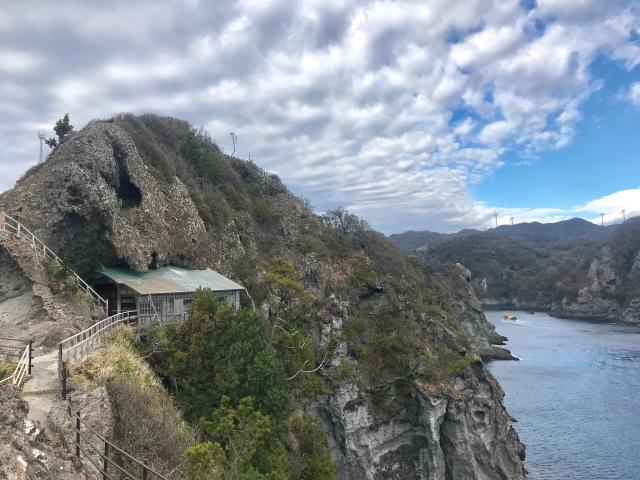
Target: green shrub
[(197, 150), (353, 328), (459, 366), (238, 437), (310, 456), (266, 214), (364, 277), (439, 364), (297, 354), (222, 351), (345, 371), (204, 212), (282, 279), (61, 277)]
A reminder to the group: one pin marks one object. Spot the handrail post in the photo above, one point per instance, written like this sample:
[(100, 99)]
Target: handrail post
[(59, 358), (105, 461), (30, 355), (64, 382), (78, 434)]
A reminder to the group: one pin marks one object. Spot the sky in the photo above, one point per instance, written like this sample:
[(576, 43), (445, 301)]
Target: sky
[(430, 114)]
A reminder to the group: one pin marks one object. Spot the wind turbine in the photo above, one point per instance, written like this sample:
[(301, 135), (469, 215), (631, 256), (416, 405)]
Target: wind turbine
[(602, 219), (624, 216), (511, 219), (496, 217)]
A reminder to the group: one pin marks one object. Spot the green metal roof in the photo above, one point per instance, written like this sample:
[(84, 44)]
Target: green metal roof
[(170, 280)]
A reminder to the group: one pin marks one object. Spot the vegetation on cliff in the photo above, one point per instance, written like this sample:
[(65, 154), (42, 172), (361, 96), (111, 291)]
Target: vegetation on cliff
[(343, 321), (542, 265)]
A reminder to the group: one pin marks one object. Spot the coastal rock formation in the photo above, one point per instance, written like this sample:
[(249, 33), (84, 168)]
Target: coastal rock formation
[(431, 435), (631, 314), (612, 284), (415, 401), (97, 201), (474, 320), (572, 269)]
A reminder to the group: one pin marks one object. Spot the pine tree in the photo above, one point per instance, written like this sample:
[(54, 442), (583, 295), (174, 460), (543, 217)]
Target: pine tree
[(62, 128)]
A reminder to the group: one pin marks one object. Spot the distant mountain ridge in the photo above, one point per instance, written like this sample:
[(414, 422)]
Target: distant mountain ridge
[(530, 232), (572, 268)]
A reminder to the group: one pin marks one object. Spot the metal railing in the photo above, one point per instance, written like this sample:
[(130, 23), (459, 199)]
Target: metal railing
[(78, 346), (109, 461), (24, 356), (113, 461), (13, 226)]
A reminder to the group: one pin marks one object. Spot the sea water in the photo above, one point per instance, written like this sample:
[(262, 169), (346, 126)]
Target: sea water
[(575, 395)]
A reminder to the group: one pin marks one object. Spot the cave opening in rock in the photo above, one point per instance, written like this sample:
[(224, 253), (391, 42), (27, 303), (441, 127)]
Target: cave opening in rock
[(128, 193), (154, 261)]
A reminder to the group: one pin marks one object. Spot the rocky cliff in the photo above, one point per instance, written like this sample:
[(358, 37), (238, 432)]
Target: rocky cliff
[(411, 397), (572, 269), (611, 288)]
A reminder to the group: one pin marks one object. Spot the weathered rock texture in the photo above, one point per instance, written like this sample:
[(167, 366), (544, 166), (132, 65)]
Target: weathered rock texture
[(28, 308), (28, 452), (95, 199), (572, 269), (611, 289), (430, 434), (473, 319), (132, 191)]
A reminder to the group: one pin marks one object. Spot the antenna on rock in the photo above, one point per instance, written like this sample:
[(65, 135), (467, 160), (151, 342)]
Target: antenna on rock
[(602, 219), (234, 139), (41, 137)]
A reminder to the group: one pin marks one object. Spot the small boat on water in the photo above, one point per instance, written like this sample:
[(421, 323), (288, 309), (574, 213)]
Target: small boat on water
[(512, 318)]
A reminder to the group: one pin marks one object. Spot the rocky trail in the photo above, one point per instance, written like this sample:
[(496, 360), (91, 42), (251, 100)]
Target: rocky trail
[(30, 310), (42, 390)]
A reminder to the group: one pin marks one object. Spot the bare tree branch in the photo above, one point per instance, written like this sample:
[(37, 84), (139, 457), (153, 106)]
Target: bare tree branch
[(302, 370)]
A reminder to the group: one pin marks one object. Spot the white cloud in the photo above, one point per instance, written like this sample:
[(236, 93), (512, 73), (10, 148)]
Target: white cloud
[(14, 61), (495, 133), (392, 108), (612, 205), (634, 94)]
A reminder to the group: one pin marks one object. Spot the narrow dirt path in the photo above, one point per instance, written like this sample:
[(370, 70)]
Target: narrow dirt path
[(41, 391)]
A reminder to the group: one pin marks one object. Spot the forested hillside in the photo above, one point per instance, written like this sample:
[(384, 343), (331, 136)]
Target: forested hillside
[(357, 362), (572, 268)]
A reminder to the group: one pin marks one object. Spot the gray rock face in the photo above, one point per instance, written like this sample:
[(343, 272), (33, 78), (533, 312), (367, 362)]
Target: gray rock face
[(596, 300), (28, 308), (27, 452), (96, 199), (587, 305), (631, 314), (462, 433), (475, 322), (602, 275)]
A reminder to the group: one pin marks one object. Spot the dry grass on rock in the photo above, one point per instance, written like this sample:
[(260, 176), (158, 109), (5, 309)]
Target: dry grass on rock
[(147, 423)]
